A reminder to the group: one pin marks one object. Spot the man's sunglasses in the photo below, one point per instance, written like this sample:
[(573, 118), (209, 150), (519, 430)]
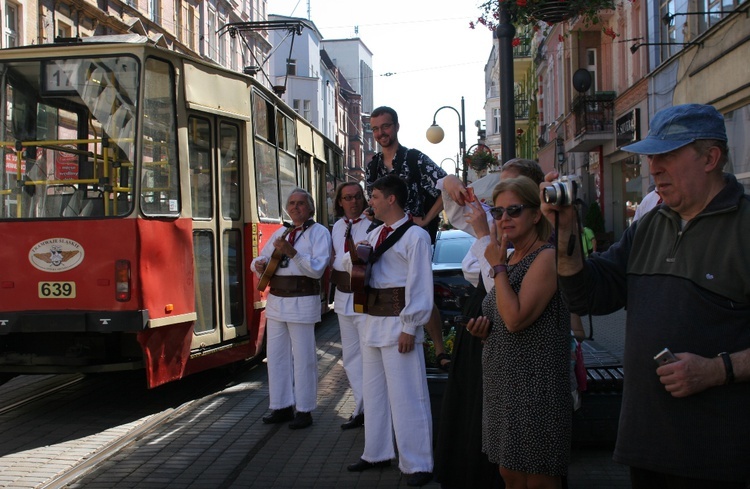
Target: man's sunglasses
[(512, 210), (349, 198)]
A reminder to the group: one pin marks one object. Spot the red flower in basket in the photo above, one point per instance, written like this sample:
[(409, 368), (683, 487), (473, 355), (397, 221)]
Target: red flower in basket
[(516, 42)]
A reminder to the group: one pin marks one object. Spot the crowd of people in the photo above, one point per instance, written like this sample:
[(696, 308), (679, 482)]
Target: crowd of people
[(506, 418)]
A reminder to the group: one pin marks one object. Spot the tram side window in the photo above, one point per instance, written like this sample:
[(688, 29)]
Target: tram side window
[(287, 174), (330, 198), (199, 151), (287, 158), (160, 193), (266, 170), (73, 121), (232, 283), (229, 148), (287, 137), (203, 251)]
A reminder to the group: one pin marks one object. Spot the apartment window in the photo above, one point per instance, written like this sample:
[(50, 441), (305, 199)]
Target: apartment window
[(495, 121), (291, 67), (222, 45), (296, 105), (11, 25), (154, 8), (713, 7), (591, 67), (306, 109), (233, 53), (189, 27), (668, 31), (63, 29), (179, 20), (211, 35)]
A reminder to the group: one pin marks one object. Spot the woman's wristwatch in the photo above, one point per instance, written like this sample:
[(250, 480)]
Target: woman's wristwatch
[(498, 269)]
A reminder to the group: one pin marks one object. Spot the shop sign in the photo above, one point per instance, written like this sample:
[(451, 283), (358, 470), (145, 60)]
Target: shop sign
[(628, 128)]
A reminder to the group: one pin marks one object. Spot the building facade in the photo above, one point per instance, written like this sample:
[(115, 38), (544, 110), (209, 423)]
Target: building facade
[(597, 86)]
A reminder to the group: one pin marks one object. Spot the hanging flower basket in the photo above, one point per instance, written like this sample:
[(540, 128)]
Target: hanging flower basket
[(531, 12), (481, 159), (554, 11)]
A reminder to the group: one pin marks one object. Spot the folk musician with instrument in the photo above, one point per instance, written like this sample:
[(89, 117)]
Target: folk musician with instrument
[(303, 252), (399, 304), (352, 228)]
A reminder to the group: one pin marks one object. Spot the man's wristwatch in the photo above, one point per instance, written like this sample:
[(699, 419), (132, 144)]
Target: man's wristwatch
[(497, 269), (727, 367)]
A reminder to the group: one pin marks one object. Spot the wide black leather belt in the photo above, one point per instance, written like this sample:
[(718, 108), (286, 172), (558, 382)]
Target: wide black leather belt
[(342, 280), (386, 302), (294, 286)]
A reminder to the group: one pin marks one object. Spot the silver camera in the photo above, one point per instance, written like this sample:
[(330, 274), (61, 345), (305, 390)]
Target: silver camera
[(563, 191)]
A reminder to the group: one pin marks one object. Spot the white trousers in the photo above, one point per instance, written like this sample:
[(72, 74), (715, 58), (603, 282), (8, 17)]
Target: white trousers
[(396, 399), (351, 329), (292, 365)]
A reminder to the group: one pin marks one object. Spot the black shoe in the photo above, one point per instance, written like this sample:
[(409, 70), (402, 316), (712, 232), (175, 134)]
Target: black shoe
[(418, 479), (363, 465), (301, 420), (279, 416), (354, 422)]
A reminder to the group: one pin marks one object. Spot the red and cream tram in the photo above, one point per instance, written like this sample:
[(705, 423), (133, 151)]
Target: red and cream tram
[(138, 184)]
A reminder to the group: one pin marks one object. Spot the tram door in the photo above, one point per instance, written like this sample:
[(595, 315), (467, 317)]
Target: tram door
[(215, 147)]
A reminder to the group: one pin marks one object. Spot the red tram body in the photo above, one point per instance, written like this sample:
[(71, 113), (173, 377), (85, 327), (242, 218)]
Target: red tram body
[(138, 185)]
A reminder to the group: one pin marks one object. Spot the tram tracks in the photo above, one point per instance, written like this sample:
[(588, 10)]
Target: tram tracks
[(90, 463), (42, 388), (98, 418)]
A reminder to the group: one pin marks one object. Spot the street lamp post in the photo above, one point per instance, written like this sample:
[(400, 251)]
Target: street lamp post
[(455, 163), (505, 33), (435, 134)]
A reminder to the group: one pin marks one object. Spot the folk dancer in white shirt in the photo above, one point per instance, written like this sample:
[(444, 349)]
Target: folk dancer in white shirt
[(292, 309), (400, 301), (350, 205)]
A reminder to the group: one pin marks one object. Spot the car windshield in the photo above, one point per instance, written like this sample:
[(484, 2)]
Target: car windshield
[(452, 250)]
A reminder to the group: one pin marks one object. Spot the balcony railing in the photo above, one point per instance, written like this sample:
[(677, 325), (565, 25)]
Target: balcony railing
[(523, 50), (594, 113), (521, 108)]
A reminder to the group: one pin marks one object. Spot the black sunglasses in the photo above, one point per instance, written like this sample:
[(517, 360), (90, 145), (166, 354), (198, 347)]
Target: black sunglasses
[(512, 210)]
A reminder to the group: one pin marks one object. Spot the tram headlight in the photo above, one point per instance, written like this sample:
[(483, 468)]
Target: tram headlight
[(122, 280)]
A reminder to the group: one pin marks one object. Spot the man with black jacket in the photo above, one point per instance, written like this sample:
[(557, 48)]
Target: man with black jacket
[(683, 274)]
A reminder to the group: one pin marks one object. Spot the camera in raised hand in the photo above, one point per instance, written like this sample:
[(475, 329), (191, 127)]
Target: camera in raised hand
[(563, 191)]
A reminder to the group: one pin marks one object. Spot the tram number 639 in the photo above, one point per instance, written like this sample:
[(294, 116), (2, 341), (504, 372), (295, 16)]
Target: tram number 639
[(57, 290)]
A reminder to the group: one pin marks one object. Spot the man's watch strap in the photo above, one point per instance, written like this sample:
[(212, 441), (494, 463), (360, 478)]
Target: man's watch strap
[(727, 366)]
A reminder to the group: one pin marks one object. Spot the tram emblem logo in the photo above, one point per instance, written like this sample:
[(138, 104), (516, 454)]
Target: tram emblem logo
[(56, 254)]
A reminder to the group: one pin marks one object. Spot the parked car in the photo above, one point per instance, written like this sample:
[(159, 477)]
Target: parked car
[(451, 288)]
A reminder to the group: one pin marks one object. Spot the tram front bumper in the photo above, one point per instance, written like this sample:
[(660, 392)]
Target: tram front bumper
[(73, 322)]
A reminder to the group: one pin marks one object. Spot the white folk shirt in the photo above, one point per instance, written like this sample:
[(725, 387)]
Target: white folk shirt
[(313, 248), (406, 264), (344, 301)]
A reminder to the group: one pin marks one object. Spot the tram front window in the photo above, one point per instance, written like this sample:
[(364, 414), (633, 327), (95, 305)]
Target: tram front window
[(68, 137)]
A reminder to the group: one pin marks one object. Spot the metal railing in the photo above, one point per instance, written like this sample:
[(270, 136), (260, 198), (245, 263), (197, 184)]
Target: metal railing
[(522, 108), (594, 113), (523, 50)]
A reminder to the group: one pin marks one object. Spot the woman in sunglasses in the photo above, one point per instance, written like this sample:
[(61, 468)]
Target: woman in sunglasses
[(527, 403)]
